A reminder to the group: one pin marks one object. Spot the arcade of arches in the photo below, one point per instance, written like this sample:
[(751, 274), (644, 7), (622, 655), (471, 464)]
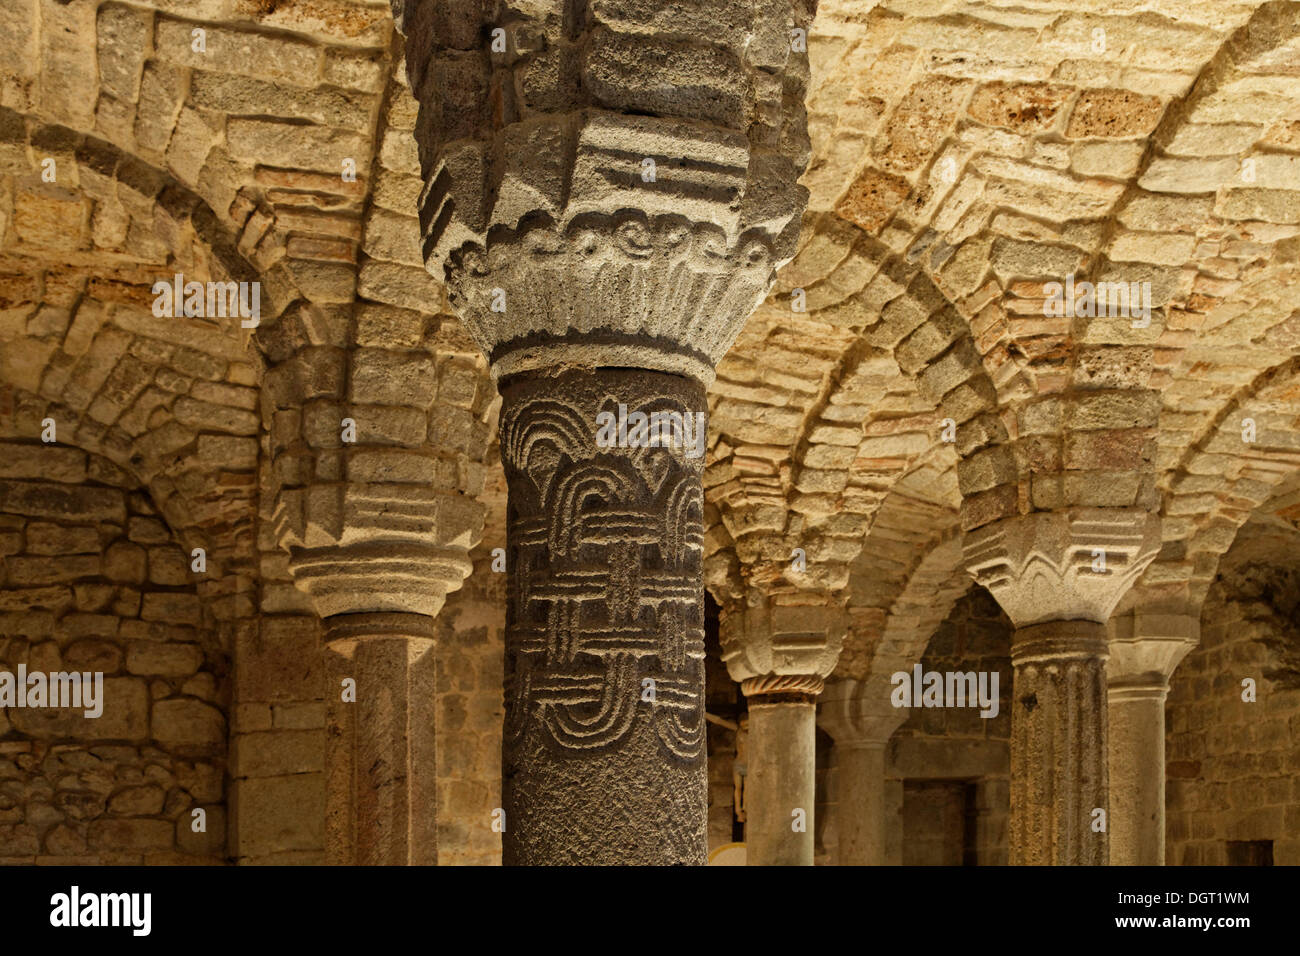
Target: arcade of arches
[(364, 581)]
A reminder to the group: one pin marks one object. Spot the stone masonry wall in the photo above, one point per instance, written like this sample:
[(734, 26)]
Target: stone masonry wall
[(1233, 768), (91, 579)]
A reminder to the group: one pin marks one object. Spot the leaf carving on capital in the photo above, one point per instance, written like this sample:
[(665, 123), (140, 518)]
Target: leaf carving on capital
[(1062, 566)]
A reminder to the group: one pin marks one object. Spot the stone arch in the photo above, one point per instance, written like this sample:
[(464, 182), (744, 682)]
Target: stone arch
[(95, 583), (1201, 517), (894, 617), (169, 399), (901, 334)]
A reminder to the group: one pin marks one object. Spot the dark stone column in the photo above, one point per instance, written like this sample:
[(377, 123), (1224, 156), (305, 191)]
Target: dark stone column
[(603, 754)]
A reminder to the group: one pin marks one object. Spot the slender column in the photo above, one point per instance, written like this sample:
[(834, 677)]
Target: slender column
[(781, 655), (1058, 734), (603, 750), (380, 758), (860, 777), (1145, 650), (1059, 576), (1137, 774), (859, 716), (782, 782)]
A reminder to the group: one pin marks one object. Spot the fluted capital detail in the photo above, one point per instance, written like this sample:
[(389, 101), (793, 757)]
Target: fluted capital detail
[(620, 290), (765, 640), (542, 126), (1073, 565)]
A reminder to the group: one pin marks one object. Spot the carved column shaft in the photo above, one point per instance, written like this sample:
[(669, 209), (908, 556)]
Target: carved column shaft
[(603, 750), (1058, 743), (380, 757)]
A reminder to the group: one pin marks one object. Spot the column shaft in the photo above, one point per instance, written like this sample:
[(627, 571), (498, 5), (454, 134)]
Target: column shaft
[(860, 803), (603, 750), (1058, 743), (782, 780), (380, 753), (1137, 775)]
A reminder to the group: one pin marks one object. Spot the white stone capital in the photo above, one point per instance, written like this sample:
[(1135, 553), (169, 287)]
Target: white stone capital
[(1073, 565)]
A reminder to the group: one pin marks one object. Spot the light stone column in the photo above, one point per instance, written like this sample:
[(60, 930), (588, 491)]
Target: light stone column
[(858, 715), (381, 768), (607, 202), (1145, 648), (781, 654), (1058, 576), (781, 788), (378, 594)]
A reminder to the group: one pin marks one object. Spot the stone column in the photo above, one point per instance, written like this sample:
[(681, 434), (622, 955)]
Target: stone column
[(604, 730), (782, 782), (858, 715), (380, 757), (781, 654), (1145, 648), (607, 202), (1058, 576), (378, 563)]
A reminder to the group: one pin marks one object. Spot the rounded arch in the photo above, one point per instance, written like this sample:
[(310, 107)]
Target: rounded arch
[(170, 399)]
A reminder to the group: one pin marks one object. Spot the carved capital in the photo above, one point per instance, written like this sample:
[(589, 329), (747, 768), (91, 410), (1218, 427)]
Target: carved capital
[(1072, 565), (625, 290), (376, 547), (767, 640), (541, 126), (1145, 648), (858, 713)]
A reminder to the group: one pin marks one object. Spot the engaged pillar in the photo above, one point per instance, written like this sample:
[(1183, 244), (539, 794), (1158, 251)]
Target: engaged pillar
[(378, 566), (380, 757)]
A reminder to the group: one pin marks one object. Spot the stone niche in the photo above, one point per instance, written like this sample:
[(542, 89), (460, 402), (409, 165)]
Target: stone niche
[(93, 580)]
